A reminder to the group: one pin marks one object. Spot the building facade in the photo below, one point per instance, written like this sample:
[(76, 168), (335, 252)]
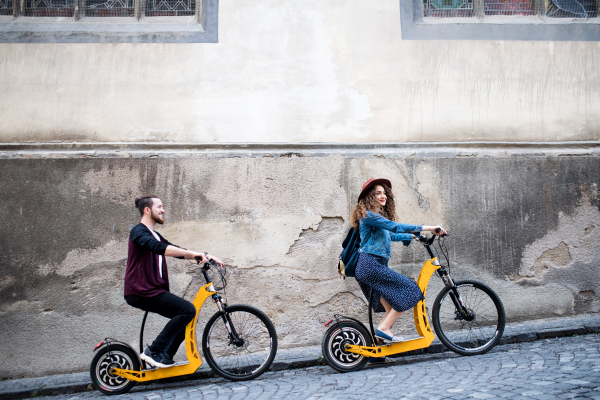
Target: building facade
[(258, 122)]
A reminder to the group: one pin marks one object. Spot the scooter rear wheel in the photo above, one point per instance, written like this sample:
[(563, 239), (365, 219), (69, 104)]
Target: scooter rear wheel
[(335, 340), (108, 357)]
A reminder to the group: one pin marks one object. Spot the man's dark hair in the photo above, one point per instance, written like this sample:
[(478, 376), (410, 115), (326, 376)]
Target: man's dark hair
[(144, 202)]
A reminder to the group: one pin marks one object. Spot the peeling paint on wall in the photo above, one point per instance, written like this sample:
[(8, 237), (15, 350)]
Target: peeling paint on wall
[(571, 242)]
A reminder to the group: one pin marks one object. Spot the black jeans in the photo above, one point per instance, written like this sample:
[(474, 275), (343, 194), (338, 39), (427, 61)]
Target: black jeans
[(180, 311)]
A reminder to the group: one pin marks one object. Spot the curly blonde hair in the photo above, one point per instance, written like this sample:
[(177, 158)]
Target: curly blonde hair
[(369, 203)]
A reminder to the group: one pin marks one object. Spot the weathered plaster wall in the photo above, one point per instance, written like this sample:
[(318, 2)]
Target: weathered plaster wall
[(310, 71), (527, 226)]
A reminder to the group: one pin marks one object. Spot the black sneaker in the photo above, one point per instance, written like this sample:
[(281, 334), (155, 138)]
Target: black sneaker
[(158, 360)]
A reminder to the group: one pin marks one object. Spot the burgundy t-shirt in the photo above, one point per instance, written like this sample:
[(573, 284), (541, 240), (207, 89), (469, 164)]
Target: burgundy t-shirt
[(143, 277)]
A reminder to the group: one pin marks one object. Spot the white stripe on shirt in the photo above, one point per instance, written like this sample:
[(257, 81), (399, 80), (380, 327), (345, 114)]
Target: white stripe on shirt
[(159, 256)]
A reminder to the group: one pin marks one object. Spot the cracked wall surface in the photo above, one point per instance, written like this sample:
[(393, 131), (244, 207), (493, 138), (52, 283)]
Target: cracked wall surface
[(526, 226)]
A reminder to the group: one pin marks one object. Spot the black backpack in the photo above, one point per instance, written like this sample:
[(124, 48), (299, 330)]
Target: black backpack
[(349, 256)]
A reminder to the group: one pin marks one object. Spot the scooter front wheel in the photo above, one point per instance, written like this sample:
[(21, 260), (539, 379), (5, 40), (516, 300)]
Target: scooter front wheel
[(248, 350), (474, 327), (107, 358)]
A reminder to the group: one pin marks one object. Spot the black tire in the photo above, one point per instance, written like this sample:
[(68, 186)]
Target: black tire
[(476, 333), (334, 341), (247, 359), (115, 355)]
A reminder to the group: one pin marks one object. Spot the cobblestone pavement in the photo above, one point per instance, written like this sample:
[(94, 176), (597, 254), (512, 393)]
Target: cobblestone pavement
[(567, 368)]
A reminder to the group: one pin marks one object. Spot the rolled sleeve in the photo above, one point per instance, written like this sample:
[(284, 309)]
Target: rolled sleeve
[(144, 238)]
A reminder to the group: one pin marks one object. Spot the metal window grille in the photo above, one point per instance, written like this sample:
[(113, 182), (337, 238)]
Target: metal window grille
[(49, 8), (508, 7), (571, 8), (170, 8), (117, 11), (481, 8), (447, 8), (108, 8), (169, 11), (6, 7)]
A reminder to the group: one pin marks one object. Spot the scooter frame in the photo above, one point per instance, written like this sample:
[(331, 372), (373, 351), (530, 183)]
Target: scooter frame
[(191, 348), (421, 323)]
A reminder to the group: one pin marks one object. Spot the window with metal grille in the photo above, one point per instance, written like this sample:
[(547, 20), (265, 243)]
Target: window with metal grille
[(552, 20), (105, 11), (109, 21), (574, 9)]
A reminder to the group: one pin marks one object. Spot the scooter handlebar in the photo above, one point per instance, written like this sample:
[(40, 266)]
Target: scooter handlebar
[(438, 230)]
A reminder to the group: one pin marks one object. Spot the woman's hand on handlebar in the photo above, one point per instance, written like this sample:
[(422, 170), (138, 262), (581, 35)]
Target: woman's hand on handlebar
[(439, 231), (436, 230)]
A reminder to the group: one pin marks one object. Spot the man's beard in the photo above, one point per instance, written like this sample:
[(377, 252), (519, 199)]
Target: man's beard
[(156, 218)]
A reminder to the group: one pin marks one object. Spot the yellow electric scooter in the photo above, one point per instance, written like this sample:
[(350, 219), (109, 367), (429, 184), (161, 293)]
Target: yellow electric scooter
[(467, 315), (239, 343)]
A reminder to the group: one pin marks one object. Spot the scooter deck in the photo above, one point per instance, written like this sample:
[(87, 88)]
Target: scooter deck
[(392, 348)]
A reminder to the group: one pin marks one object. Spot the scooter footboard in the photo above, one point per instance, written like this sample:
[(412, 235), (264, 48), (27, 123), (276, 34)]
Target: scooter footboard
[(159, 373), (393, 348)]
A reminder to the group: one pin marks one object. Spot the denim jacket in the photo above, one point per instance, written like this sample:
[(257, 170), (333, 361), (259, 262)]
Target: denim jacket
[(377, 234)]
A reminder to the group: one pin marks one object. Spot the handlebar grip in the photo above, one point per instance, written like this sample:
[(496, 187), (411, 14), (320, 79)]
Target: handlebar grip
[(198, 259), (438, 230)]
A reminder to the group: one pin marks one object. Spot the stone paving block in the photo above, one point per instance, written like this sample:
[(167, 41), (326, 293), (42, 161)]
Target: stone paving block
[(482, 395), (545, 396), (506, 395), (579, 382)]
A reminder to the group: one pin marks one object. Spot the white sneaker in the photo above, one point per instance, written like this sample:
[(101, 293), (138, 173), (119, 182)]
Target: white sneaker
[(157, 360)]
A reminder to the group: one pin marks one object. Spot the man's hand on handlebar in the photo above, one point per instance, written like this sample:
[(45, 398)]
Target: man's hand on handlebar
[(203, 258), (200, 258), (215, 259)]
